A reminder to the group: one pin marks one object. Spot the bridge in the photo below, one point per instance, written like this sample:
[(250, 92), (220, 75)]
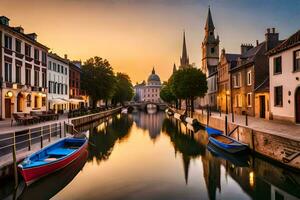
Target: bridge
[(143, 105)]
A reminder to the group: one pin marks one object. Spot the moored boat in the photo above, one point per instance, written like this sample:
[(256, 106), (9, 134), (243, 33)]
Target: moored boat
[(51, 158), (227, 144), (213, 131)]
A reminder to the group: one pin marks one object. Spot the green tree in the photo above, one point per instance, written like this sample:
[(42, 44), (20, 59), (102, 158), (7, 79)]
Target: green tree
[(98, 79), (124, 89), (188, 84), (166, 93)]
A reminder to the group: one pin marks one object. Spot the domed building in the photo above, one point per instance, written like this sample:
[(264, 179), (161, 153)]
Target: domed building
[(149, 91)]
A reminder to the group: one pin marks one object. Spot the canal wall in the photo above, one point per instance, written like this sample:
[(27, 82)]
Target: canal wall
[(284, 150)]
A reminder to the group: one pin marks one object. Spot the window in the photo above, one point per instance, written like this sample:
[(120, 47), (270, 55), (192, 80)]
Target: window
[(297, 60), (58, 68), (28, 76), (44, 57), (28, 50), (18, 74), (277, 65), (237, 80), (58, 88), (28, 99), (278, 96), (66, 71), (8, 71), (43, 101), (36, 101), (8, 42), (212, 50), (249, 79), (18, 46), (249, 95), (36, 78), (49, 65), (54, 66), (36, 54), (44, 80), (238, 100)]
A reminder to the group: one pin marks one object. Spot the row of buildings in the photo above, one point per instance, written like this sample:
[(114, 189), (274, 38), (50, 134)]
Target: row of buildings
[(262, 80), (32, 78)]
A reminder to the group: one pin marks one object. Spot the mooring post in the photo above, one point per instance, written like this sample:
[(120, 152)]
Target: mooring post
[(220, 110), (41, 137), (226, 125), (29, 139), (60, 129), (65, 134), (49, 132), (15, 161), (246, 119)]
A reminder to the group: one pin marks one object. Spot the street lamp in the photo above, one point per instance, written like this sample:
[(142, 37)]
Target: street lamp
[(227, 94)]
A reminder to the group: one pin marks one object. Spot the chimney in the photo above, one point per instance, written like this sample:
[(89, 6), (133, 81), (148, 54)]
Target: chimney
[(4, 20), (66, 56), (32, 36), (245, 48), (19, 29), (272, 39)]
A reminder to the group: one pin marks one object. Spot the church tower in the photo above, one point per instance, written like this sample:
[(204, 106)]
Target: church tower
[(184, 59), (210, 47)]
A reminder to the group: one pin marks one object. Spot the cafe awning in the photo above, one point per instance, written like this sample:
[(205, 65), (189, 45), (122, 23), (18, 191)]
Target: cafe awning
[(76, 101), (58, 101)]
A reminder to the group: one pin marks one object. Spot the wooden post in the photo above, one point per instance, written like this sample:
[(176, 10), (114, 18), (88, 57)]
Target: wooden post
[(226, 125), (29, 139), (60, 129), (246, 119), (41, 138), (65, 134), (50, 133), (220, 110), (15, 160)]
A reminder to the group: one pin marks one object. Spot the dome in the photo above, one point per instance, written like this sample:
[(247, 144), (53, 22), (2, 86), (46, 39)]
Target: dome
[(153, 77)]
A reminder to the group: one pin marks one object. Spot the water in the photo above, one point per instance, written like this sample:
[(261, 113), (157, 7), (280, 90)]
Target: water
[(150, 156)]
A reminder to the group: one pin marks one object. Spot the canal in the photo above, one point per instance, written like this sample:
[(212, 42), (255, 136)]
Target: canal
[(151, 156)]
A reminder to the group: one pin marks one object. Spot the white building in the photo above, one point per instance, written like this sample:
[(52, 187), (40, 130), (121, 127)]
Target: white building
[(150, 91), (284, 66), (23, 72), (58, 83)]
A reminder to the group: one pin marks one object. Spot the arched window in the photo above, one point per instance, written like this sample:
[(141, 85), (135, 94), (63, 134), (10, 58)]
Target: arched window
[(28, 100)]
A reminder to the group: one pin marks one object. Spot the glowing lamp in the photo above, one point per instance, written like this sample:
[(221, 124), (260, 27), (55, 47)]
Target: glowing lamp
[(9, 94)]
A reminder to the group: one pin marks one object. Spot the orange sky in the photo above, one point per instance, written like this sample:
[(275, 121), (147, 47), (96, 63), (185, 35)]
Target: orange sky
[(135, 35)]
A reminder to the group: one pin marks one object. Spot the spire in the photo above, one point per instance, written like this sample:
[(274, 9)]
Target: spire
[(209, 22), (153, 71), (184, 60), (174, 68)]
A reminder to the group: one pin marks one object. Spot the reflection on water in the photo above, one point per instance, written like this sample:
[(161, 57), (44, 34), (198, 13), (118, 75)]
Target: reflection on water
[(149, 156)]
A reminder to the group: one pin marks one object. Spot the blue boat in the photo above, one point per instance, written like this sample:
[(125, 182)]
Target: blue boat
[(228, 144), (213, 131), (242, 160), (51, 158)]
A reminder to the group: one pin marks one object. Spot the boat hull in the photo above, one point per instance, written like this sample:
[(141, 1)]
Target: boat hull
[(234, 148), (32, 174)]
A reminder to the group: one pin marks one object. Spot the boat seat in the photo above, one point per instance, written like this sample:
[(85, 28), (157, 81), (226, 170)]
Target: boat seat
[(61, 152)]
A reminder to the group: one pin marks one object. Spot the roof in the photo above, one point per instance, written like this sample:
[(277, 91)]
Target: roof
[(232, 59), (290, 42), (153, 76), (209, 22), (57, 57), (264, 86), (23, 35)]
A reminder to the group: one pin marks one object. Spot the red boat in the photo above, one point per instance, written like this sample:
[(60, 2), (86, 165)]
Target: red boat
[(51, 158)]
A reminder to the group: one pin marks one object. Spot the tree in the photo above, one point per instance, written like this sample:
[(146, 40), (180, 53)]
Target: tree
[(98, 79), (189, 83), (124, 89), (166, 93)]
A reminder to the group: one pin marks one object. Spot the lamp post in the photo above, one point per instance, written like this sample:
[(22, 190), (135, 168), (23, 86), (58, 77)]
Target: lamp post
[(227, 94)]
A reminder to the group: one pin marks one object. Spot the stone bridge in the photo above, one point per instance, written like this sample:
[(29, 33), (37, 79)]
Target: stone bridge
[(143, 105)]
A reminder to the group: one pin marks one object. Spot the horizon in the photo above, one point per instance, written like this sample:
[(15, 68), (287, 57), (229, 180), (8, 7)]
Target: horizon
[(118, 30)]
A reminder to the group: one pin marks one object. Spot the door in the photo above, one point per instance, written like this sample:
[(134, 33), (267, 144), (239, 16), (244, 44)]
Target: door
[(7, 108), (297, 105), (262, 102)]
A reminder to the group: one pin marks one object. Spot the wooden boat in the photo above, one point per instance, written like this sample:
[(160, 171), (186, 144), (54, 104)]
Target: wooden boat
[(237, 160), (51, 158), (227, 144), (213, 131)]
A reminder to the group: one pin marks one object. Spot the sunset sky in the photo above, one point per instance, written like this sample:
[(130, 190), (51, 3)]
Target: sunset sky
[(135, 35)]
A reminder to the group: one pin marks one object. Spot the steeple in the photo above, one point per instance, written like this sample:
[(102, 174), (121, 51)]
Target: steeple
[(209, 26), (184, 60), (174, 68), (153, 71)]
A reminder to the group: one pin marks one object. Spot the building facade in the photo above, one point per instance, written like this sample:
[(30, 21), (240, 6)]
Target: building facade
[(250, 77), (227, 62), (284, 66), (58, 83), (210, 60), (23, 71), (150, 91), (75, 94)]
